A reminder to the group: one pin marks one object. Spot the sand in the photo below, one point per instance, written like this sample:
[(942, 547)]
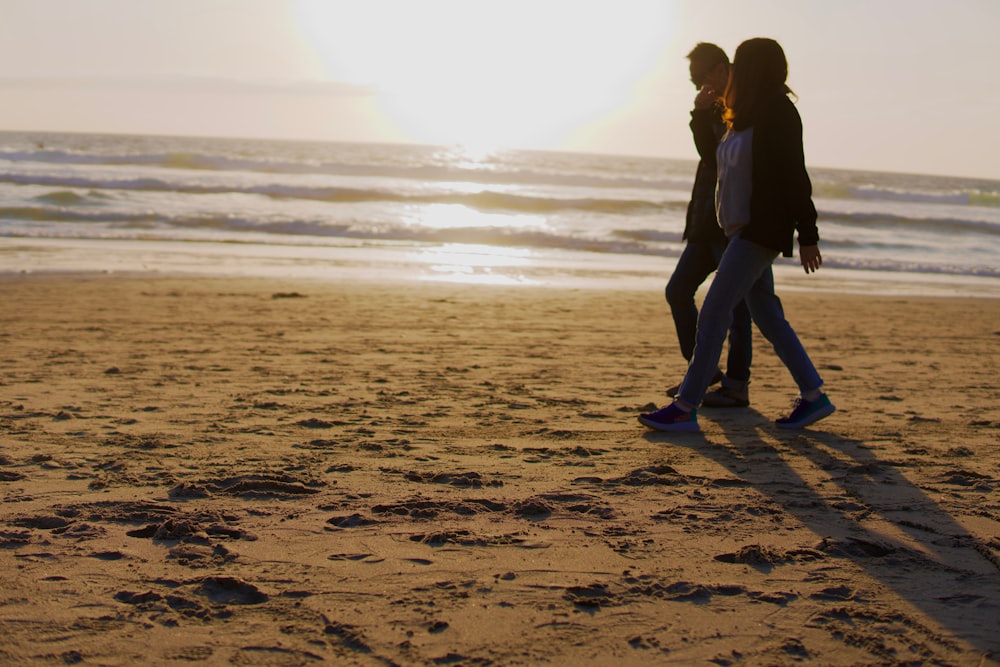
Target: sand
[(247, 471)]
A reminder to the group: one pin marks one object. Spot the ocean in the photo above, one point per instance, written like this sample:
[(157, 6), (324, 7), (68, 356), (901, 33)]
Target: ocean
[(79, 202)]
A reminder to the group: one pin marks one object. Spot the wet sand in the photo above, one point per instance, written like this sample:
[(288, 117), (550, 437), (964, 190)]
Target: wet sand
[(249, 471)]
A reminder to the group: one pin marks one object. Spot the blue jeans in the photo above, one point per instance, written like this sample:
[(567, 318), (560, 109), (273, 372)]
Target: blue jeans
[(744, 274), (696, 263)]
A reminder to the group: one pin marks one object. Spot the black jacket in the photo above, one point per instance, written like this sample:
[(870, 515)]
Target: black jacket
[(781, 196), (701, 224)]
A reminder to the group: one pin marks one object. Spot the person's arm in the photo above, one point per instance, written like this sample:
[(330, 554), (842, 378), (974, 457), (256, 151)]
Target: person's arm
[(704, 118), (703, 132), (799, 189)]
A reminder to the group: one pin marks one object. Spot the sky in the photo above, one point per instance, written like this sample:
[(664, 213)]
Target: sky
[(882, 85)]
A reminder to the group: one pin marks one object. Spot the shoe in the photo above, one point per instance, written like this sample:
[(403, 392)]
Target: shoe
[(717, 378), (724, 397), (671, 418), (807, 412)]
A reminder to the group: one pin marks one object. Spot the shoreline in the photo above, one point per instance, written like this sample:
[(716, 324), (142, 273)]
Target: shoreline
[(446, 263), (260, 470)]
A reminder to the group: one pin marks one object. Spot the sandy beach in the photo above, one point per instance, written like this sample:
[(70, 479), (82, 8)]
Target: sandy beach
[(267, 472)]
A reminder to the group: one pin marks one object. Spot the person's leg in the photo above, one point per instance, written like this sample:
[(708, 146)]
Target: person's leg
[(813, 404), (740, 354), (740, 347), (695, 264), (769, 316), (741, 265)]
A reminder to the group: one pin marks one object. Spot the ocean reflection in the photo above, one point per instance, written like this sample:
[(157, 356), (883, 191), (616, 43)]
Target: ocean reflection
[(459, 216), (480, 264)]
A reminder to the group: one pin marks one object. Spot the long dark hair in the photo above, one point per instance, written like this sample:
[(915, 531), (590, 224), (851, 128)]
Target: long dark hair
[(758, 71)]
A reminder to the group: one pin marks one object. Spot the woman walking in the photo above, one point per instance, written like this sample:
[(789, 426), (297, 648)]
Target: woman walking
[(764, 196)]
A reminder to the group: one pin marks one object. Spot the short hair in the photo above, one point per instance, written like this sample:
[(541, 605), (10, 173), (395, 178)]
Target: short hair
[(708, 54)]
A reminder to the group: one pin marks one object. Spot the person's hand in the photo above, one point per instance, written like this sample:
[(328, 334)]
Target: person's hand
[(810, 258), (706, 97)]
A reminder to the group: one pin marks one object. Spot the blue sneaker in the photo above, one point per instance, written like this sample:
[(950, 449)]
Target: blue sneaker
[(671, 418), (807, 412)]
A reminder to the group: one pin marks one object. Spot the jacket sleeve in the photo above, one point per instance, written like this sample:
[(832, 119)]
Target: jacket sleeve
[(700, 222), (800, 204), (781, 201), (703, 131)]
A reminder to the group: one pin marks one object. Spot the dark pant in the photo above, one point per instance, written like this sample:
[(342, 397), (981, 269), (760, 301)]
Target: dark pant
[(696, 263)]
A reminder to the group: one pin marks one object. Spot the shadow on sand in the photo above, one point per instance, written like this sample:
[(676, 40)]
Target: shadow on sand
[(864, 509)]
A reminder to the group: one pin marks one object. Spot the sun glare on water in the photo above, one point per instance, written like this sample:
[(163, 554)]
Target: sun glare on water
[(457, 216), (479, 264), (475, 262), (489, 75)]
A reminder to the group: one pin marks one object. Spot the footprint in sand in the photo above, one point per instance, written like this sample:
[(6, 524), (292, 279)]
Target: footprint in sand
[(349, 521), (231, 590)]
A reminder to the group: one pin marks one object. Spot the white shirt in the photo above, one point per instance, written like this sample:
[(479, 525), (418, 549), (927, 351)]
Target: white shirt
[(732, 195)]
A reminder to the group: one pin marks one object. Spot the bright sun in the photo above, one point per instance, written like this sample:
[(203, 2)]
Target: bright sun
[(489, 74)]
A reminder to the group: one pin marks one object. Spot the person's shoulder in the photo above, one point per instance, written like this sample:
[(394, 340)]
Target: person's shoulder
[(778, 109), (778, 103)]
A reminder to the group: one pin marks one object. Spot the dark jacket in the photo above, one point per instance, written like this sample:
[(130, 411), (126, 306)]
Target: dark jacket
[(701, 224), (781, 197)]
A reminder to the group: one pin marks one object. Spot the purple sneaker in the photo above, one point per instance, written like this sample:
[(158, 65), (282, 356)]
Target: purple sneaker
[(671, 418), (807, 412)]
